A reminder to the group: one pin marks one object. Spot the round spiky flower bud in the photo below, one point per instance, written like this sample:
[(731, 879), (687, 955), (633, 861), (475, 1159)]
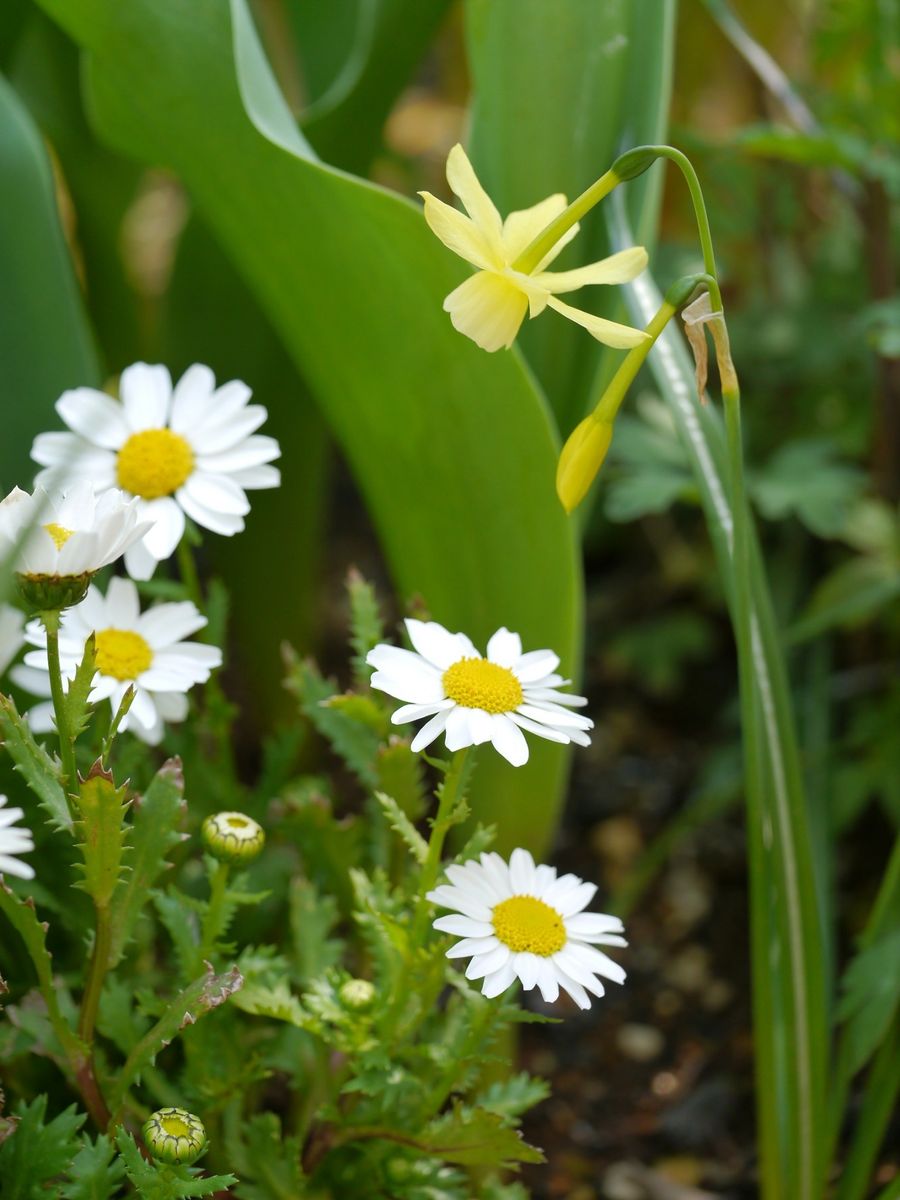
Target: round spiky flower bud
[(233, 837), (356, 993), (175, 1136)]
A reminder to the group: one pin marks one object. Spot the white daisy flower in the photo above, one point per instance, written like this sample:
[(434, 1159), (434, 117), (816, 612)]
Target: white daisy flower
[(182, 450), (145, 650), (14, 840), (11, 637), (74, 532), (471, 699), (521, 921)]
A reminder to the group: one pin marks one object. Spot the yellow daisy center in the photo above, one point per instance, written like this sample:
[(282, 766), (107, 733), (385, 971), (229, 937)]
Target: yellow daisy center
[(59, 534), (525, 923), (175, 1127), (478, 683), (154, 463), (122, 653)]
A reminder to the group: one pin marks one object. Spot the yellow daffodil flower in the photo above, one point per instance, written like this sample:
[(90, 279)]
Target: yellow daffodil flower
[(491, 305)]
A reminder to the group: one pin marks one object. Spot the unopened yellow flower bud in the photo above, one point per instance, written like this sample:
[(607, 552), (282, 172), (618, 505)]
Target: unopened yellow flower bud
[(175, 1136), (357, 993), (233, 837), (582, 457)]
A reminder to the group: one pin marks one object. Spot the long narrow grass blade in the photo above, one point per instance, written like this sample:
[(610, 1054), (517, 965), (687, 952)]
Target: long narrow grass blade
[(790, 1017)]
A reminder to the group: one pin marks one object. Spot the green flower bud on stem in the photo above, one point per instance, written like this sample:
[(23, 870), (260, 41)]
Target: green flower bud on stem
[(356, 994), (233, 837), (53, 593), (175, 1136)]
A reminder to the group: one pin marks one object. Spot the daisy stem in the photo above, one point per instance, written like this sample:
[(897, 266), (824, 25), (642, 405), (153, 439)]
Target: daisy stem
[(50, 622), (448, 795), (90, 1002), (187, 569), (212, 921)]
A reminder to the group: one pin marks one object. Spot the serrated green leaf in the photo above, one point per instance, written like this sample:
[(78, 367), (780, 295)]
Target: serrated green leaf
[(476, 1137), (37, 1152), (514, 1096), (23, 918), (102, 829), (181, 924), (40, 771), (269, 1164), (156, 817), (354, 741), (275, 1001), (79, 688), (401, 774), (118, 1019), (806, 479), (154, 1182), (403, 827), (313, 915), (96, 1172), (366, 625), (198, 999)]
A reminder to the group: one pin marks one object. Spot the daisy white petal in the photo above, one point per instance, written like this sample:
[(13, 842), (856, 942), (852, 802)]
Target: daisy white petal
[(146, 393), (94, 416), (14, 841), (430, 730), (511, 927), (12, 624), (508, 740), (505, 648)]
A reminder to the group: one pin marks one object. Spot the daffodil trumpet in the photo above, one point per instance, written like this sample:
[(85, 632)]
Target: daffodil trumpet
[(512, 257), (585, 450)]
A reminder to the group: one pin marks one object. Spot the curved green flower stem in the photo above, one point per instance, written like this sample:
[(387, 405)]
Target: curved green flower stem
[(50, 622), (440, 826), (547, 238), (212, 920)]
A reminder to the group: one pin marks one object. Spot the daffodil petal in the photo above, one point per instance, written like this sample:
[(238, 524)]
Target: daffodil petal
[(480, 207), (618, 268), (522, 227), (488, 308), (610, 333), (457, 231)]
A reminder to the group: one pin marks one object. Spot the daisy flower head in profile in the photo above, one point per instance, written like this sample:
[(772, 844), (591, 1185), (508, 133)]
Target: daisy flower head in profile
[(58, 540), (11, 636), (473, 699), (521, 921), (14, 840), (188, 450), (146, 651), (490, 306)]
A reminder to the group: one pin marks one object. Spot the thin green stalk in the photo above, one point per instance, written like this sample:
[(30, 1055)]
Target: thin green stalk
[(580, 206), (212, 920), (90, 1002), (440, 826), (882, 1088), (187, 569), (66, 742)]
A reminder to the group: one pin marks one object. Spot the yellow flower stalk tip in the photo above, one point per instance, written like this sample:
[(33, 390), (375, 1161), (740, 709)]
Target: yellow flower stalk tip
[(490, 306), (581, 458)]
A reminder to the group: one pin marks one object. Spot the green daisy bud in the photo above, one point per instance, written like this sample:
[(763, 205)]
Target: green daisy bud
[(356, 993), (232, 837), (175, 1136), (53, 593)]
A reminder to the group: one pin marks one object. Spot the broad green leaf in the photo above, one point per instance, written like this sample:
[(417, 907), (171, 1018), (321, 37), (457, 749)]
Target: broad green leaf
[(45, 308), (156, 818), (38, 1151), (555, 90), (871, 994), (101, 826), (439, 434), (389, 39), (34, 763), (852, 593), (194, 1002), (805, 479)]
